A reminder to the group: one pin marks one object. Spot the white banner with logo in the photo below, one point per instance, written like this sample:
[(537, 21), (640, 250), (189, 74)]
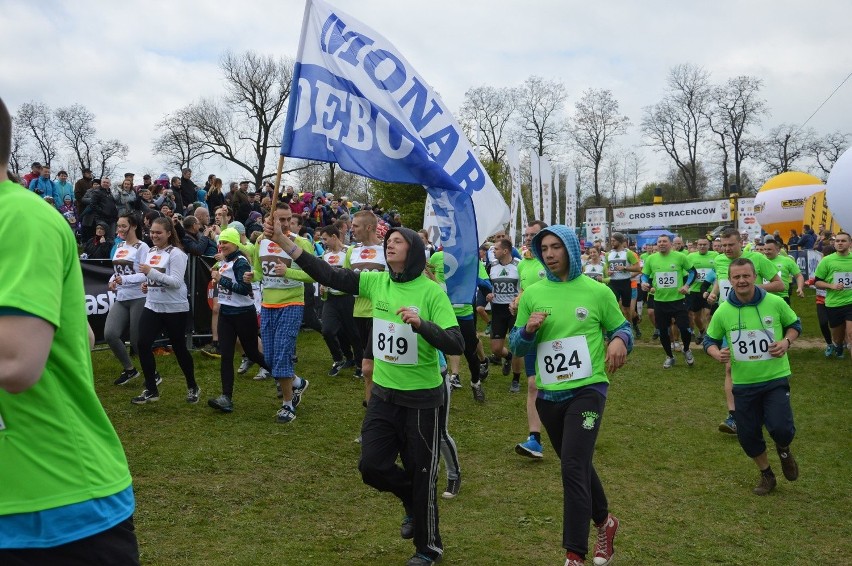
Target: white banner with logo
[(570, 199), (666, 215), (535, 187), (546, 191), (746, 220), (596, 226), (514, 161)]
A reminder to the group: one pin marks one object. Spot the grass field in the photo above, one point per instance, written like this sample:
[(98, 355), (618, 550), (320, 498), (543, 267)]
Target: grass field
[(240, 489)]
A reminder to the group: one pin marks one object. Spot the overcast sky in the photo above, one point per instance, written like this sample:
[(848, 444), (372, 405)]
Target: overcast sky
[(130, 62)]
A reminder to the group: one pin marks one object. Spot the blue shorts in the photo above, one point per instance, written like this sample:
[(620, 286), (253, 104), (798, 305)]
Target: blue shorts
[(529, 364), (278, 331)]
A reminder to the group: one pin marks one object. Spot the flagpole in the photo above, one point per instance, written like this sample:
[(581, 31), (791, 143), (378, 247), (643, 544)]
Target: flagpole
[(277, 183)]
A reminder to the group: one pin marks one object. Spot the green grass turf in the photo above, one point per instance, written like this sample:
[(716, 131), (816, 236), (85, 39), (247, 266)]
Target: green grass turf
[(240, 489)]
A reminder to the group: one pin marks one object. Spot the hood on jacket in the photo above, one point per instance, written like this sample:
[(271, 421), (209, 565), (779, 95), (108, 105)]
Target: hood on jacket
[(415, 262), (572, 246), (759, 293)]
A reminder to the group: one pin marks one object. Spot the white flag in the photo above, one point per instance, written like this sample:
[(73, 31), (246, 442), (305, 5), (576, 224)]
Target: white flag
[(571, 198), (546, 190), (514, 160), (535, 187)]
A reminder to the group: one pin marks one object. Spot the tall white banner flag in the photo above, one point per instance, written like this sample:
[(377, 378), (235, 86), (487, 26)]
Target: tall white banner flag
[(571, 198), (546, 190), (514, 160), (596, 227), (535, 187), (556, 193), (358, 102)]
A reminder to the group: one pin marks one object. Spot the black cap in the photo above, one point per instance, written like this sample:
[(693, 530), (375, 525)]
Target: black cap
[(130, 174), (146, 176)]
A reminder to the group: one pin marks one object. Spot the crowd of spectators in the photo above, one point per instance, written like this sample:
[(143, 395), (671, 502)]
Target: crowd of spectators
[(93, 205)]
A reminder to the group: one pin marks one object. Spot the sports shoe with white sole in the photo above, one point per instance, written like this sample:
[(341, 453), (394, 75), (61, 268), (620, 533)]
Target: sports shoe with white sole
[(690, 359), (669, 363), (145, 397), (478, 393), (298, 392), (531, 448), (604, 548), (193, 394), (126, 376), (285, 415), (245, 365), (453, 487), (261, 375)]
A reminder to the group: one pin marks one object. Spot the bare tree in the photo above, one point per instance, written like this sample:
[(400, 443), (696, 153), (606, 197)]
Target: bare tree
[(19, 150), (736, 107), (108, 154), (244, 125), (634, 169), (77, 125), (38, 120), (489, 111), (177, 141), (678, 124), (596, 124), (541, 114), (826, 150), (785, 146)]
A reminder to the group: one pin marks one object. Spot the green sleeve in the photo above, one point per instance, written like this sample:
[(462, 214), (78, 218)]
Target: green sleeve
[(716, 328), (482, 273), (646, 269), (524, 310), (612, 316), (366, 282), (256, 268), (766, 269), (347, 259), (822, 270), (441, 310), (631, 258), (788, 316)]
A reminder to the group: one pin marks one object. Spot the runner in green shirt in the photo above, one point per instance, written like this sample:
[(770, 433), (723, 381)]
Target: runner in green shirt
[(787, 268), (699, 311), (751, 333), (563, 320), (834, 274)]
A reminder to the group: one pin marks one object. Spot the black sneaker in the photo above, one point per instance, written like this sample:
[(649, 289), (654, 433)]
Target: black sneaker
[(453, 487), (298, 392), (222, 403), (158, 379), (507, 365), (421, 559), (478, 393), (285, 415), (126, 376), (211, 351), (193, 394), (146, 397), (335, 368), (493, 360), (788, 463), (358, 373), (406, 530), (483, 370)]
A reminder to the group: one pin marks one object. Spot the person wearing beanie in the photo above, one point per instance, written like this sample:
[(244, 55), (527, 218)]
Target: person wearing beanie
[(237, 315)]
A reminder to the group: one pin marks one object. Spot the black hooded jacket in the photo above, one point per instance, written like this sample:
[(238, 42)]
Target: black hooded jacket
[(449, 341)]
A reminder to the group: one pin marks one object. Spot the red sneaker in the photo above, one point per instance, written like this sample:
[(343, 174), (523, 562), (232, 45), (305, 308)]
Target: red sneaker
[(604, 549), (572, 559)]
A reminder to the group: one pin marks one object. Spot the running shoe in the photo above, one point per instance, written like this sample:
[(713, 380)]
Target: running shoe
[(245, 364), (690, 359), (406, 529), (531, 448), (158, 379), (829, 350), (222, 403), (285, 415), (420, 559), (261, 375), (515, 387), (669, 363), (126, 376), (838, 351), (335, 368), (483, 370), (453, 487), (146, 397), (478, 393), (656, 334), (788, 463), (729, 425), (507, 365), (211, 351), (193, 394), (298, 392), (455, 381), (604, 549)]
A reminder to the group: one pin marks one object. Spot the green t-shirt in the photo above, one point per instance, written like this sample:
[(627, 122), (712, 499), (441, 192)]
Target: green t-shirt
[(765, 269), (787, 268), (750, 330), (530, 270), (703, 264), (436, 262), (57, 446), (570, 348), (368, 259), (280, 291), (403, 359), (667, 274), (836, 268)]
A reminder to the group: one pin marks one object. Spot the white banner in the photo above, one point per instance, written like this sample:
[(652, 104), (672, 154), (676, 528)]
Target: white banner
[(514, 160), (596, 226), (535, 187), (546, 190), (430, 222), (571, 198), (746, 220), (667, 215), (556, 193)]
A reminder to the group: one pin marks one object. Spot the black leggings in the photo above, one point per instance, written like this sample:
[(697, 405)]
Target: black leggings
[(822, 317), (150, 325), (471, 340), (338, 328), (664, 312), (233, 326)]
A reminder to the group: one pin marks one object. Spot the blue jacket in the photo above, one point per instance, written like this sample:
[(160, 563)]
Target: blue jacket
[(44, 187)]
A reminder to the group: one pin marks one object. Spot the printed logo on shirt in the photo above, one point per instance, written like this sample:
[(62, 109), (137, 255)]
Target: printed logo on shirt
[(273, 248), (557, 345), (120, 254), (382, 306), (768, 321), (333, 259), (589, 418), (581, 313), (541, 274), (154, 259), (368, 253)]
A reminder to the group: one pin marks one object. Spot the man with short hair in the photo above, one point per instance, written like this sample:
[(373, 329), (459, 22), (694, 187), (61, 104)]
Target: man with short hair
[(731, 250), (699, 311), (758, 328), (196, 239), (834, 274), (503, 272), (787, 268), (43, 185), (66, 495), (35, 173), (670, 274), (187, 189), (80, 187), (620, 264)]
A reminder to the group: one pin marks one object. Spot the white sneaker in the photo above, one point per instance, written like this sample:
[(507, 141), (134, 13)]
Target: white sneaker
[(245, 364), (677, 346), (261, 375), (690, 359), (668, 363)]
